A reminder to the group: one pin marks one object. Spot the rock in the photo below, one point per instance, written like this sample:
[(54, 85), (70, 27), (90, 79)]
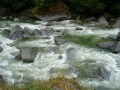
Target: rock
[(117, 23), (1, 49), (57, 11), (59, 41), (16, 19), (1, 80), (116, 47), (106, 45), (102, 21), (71, 53), (101, 88), (50, 23), (60, 57), (19, 33), (103, 73), (44, 32), (64, 32), (53, 70), (78, 28), (28, 54), (50, 49), (118, 37), (93, 70)]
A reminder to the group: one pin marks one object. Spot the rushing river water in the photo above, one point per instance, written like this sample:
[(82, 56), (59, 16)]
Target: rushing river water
[(82, 68)]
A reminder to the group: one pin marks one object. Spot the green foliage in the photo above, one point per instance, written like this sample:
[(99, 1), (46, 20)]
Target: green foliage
[(17, 5)]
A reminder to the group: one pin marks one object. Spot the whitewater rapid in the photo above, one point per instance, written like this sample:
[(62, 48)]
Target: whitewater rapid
[(17, 72)]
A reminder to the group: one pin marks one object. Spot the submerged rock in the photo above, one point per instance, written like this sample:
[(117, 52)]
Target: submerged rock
[(78, 28), (101, 88), (1, 49), (19, 33), (106, 45), (93, 70), (60, 57), (104, 74), (28, 54), (71, 53)]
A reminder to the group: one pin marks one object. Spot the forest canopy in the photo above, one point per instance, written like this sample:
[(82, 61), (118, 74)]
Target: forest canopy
[(93, 7)]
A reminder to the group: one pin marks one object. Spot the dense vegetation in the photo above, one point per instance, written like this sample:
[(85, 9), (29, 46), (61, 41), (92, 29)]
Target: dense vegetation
[(85, 7)]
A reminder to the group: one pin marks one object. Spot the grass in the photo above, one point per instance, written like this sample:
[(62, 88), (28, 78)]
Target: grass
[(86, 40), (59, 83)]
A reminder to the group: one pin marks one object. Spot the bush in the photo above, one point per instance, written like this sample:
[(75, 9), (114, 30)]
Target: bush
[(17, 5)]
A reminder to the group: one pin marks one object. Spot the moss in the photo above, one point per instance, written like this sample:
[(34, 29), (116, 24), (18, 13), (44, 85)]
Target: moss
[(61, 83), (87, 40)]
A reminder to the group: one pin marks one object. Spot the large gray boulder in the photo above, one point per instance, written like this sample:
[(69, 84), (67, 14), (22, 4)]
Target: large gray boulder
[(71, 53), (59, 41), (117, 23), (19, 33), (102, 21), (28, 54), (1, 49), (118, 37), (116, 47), (44, 32), (105, 45)]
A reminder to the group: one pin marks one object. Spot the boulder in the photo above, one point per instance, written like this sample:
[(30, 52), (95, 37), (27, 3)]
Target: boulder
[(64, 32), (105, 45), (50, 23), (71, 53), (1, 81), (101, 88), (117, 23), (102, 21), (1, 49), (104, 73), (16, 19), (44, 32), (116, 47), (78, 28), (59, 41), (19, 33), (57, 11), (28, 54), (118, 37), (60, 57), (93, 70)]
